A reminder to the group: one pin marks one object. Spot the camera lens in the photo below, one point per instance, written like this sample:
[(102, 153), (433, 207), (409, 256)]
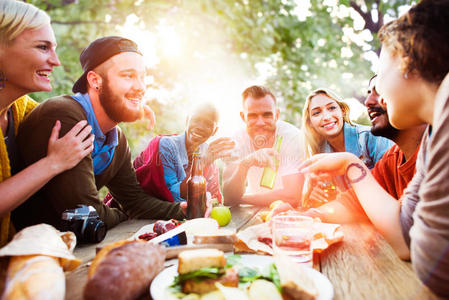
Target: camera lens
[(95, 231)]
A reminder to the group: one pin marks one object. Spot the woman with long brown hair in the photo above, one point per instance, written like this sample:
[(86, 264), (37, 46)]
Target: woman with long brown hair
[(327, 128)]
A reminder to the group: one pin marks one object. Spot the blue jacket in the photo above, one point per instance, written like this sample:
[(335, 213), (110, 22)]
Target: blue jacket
[(361, 142), (173, 153)]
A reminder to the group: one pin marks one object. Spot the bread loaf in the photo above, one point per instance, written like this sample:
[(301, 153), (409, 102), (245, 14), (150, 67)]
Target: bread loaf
[(36, 277), (38, 256), (125, 272), (102, 255)]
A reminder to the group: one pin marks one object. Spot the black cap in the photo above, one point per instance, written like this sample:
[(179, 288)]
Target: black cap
[(98, 52)]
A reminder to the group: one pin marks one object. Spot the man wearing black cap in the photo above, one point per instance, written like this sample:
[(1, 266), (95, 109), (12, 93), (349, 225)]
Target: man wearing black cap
[(110, 91)]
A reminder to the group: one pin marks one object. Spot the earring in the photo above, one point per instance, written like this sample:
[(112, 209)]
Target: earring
[(3, 80), (96, 88), (406, 75)]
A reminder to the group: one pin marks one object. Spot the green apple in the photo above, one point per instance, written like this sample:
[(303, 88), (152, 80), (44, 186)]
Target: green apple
[(221, 214)]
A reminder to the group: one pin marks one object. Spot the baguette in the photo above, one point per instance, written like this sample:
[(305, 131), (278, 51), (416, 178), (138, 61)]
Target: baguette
[(36, 277), (124, 272), (38, 256)]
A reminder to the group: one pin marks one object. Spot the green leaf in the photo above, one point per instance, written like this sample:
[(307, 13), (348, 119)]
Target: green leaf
[(270, 273), (273, 275), (232, 260), (201, 274), (247, 274)]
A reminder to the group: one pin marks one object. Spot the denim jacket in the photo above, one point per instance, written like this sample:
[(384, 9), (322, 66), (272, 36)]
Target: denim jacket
[(173, 153), (361, 142)]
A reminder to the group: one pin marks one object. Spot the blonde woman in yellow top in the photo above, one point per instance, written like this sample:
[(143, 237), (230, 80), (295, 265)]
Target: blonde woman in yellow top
[(27, 58)]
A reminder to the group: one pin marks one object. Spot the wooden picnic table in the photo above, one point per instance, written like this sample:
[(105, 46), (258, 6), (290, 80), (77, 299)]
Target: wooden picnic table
[(363, 266)]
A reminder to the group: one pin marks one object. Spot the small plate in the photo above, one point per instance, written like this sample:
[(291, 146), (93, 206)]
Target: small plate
[(159, 287)]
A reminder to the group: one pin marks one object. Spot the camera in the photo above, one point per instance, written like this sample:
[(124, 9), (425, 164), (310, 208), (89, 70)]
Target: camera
[(85, 223)]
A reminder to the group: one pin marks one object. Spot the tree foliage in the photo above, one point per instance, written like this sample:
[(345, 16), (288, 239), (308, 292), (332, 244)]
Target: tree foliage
[(306, 52), (300, 45)]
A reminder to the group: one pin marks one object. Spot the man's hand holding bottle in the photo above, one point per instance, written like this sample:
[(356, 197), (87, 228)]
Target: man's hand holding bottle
[(261, 158)]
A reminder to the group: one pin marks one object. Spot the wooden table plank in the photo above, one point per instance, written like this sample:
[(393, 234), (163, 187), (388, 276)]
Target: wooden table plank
[(120, 232), (364, 266), (76, 280), (241, 215)]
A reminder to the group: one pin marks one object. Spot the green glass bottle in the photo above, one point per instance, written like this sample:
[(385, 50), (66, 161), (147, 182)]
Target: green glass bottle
[(269, 175)]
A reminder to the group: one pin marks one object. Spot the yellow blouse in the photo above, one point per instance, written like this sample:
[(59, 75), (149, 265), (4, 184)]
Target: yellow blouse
[(20, 109)]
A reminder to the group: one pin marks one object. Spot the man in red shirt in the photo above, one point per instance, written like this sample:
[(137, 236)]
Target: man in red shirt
[(397, 166)]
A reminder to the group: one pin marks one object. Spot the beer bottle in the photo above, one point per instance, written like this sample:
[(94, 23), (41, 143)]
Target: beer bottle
[(269, 175), (196, 190)]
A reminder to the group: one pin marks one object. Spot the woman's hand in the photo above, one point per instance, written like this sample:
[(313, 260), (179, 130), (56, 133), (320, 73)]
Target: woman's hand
[(66, 152), (62, 154), (317, 197), (335, 163)]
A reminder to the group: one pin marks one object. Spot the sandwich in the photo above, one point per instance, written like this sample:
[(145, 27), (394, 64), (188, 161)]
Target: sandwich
[(295, 283), (200, 269)]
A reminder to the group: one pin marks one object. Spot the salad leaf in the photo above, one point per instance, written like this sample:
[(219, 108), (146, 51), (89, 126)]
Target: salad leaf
[(247, 274), (272, 274), (204, 273), (232, 260)]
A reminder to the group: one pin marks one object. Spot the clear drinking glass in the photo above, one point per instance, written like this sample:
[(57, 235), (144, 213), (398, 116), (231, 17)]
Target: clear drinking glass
[(292, 236), (317, 192), (234, 153)]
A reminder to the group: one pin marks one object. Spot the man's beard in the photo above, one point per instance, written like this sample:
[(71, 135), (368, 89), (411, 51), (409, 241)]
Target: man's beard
[(115, 106), (387, 131)]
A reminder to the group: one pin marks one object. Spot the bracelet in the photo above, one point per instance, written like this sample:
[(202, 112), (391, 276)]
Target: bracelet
[(361, 168)]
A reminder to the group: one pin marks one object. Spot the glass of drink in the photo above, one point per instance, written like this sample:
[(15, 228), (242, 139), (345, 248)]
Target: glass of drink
[(317, 192), (292, 236), (233, 153)]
